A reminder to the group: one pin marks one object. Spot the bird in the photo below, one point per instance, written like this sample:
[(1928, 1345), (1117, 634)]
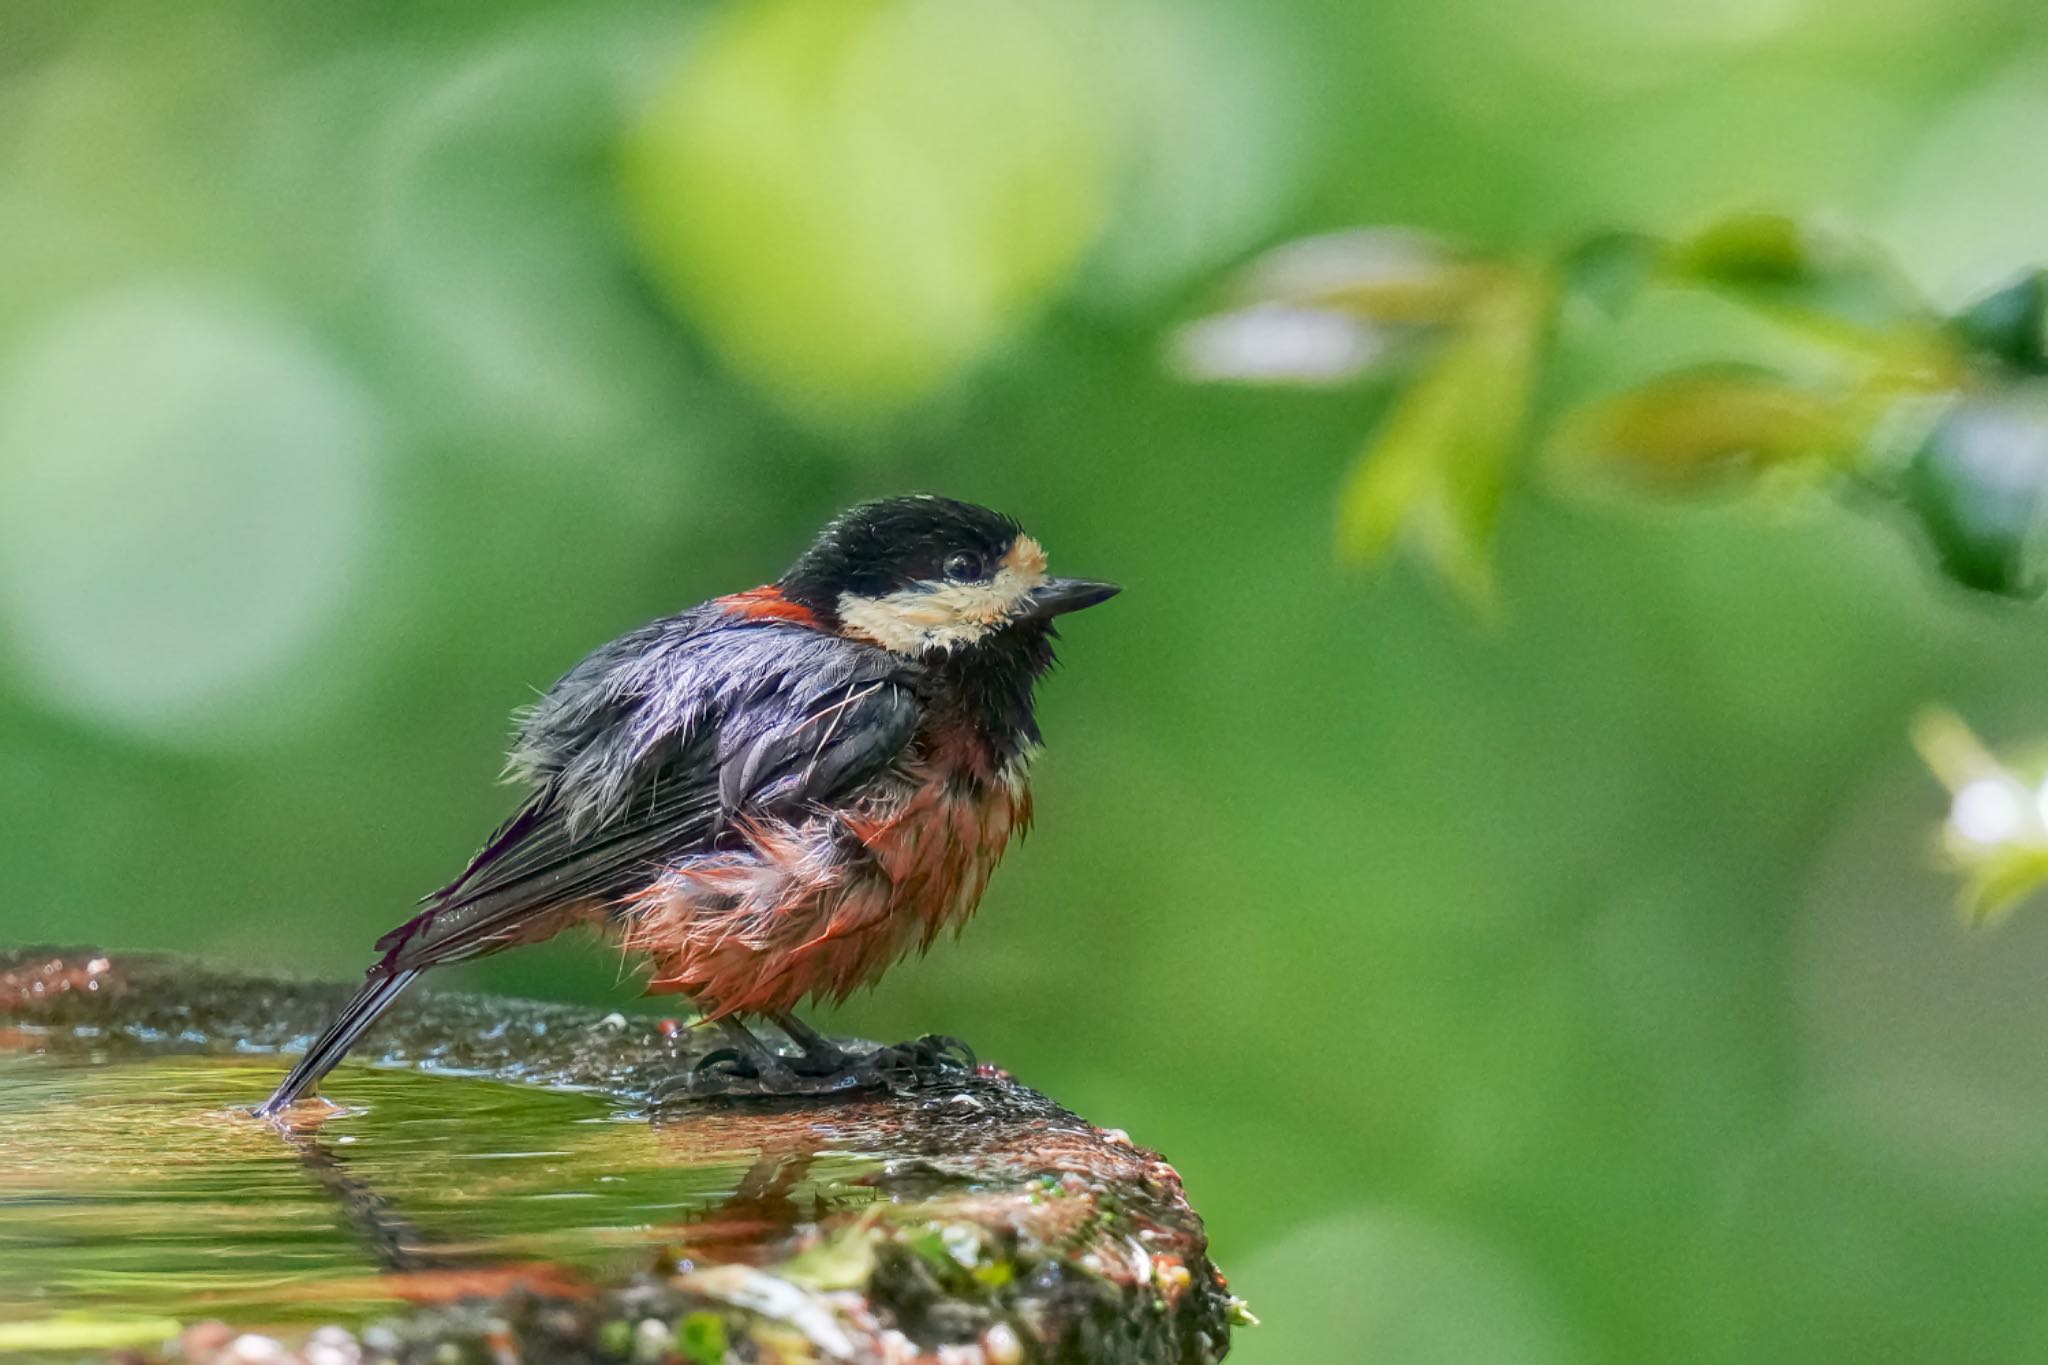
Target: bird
[(774, 795)]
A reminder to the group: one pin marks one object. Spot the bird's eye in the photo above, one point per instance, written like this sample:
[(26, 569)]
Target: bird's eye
[(966, 567)]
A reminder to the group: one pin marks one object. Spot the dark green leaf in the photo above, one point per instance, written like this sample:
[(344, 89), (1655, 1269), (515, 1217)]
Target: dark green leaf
[(1805, 273), (1979, 488), (2010, 324)]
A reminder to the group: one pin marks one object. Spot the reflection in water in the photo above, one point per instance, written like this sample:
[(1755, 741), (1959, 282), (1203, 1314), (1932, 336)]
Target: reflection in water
[(392, 1239), (140, 1186)]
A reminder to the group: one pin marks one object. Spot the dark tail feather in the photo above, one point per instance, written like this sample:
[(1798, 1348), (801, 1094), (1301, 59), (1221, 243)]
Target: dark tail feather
[(362, 1010)]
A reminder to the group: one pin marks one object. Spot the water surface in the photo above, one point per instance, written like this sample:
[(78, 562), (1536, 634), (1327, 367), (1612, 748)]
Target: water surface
[(137, 1188)]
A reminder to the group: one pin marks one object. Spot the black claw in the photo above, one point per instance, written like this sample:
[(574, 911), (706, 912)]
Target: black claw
[(729, 1059), (928, 1060), (952, 1049)]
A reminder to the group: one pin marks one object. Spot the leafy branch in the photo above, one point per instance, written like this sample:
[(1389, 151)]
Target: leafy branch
[(1825, 369)]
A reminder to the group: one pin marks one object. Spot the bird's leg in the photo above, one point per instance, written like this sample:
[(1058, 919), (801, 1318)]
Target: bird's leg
[(821, 1057), (749, 1061)]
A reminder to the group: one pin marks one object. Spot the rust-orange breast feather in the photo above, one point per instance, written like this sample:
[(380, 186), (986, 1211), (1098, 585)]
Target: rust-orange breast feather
[(821, 907)]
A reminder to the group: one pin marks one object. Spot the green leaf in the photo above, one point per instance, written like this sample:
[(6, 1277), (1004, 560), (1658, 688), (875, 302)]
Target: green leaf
[(1706, 427), (1611, 268), (1979, 488), (1751, 250), (2010, 324), (1804, 274), (1436, 472), (1998, 884)]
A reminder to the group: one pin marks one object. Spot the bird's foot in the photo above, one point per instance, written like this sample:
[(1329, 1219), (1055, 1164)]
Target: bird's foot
[(756, 1072), (731, 1071), (931, 1060), (747, 1066), (822, 1058)]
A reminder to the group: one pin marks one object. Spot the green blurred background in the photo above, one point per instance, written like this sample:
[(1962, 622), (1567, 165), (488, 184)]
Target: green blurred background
[(1574, 986)]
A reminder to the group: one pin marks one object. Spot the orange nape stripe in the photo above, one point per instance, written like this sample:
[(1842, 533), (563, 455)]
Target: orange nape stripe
[(766, 604)]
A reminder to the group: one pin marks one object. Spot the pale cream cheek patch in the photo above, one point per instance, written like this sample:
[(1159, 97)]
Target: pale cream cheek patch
[(940, 615)]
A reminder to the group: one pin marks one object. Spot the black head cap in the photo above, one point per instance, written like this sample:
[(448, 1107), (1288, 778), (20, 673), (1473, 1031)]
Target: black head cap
[(880, 546)]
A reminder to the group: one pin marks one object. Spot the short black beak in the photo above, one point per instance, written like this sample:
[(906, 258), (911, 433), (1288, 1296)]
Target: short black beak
[(1058, 596)]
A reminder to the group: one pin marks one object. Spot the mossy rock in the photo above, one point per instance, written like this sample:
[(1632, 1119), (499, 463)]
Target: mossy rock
[(502, 1181)]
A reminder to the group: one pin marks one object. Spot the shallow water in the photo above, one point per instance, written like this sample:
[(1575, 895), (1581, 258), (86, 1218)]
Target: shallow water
[(139, 1191)]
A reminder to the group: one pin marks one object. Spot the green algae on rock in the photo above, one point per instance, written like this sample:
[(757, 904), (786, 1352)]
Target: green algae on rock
[(506, 1183)]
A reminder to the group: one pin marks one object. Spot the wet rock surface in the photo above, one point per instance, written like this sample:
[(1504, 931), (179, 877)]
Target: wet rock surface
[(968, 1219)]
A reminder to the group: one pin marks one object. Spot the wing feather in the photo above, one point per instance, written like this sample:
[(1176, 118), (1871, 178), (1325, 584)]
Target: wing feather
[(647, 751)]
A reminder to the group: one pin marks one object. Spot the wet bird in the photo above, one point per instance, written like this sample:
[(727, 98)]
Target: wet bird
[(773, 795)]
